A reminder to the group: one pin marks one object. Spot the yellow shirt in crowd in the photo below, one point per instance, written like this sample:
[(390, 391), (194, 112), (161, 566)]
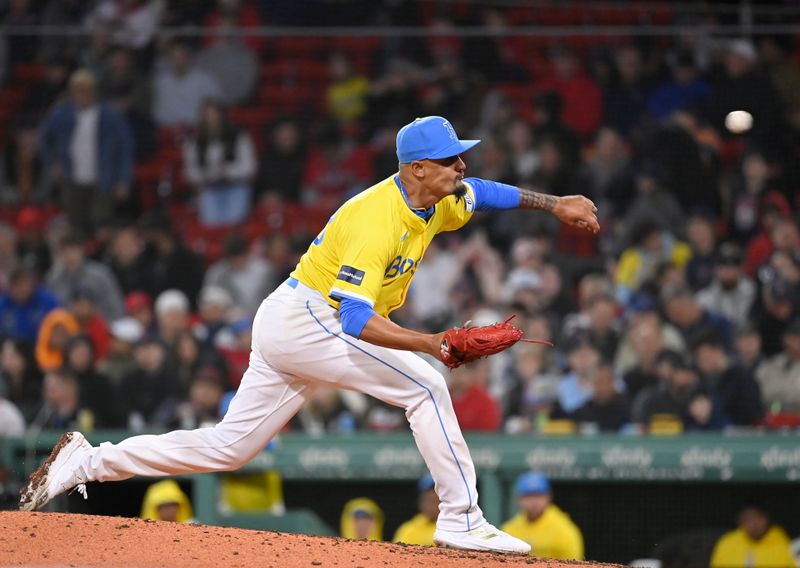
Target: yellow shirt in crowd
[(552, 535), (418, 529), (737, 550)]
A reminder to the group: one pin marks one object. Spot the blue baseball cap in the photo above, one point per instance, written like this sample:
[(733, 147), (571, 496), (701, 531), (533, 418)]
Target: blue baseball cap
[(425, 483), (532, 483), (431, 137)]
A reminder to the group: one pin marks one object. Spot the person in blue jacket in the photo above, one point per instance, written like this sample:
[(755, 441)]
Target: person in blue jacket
[(87, 148)]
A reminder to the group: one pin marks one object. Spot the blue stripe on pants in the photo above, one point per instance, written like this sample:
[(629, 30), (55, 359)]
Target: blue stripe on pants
[(409, 377)]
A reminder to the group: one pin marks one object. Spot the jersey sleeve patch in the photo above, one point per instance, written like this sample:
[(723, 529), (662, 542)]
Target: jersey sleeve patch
[(350, 275)]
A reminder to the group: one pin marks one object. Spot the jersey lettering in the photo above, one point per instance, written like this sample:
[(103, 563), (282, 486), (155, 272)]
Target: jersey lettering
[(400, 266)]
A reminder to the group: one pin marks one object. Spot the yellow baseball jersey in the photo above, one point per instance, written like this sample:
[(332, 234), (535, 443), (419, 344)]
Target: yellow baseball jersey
[(371, 247), (417, 530), (736, 548), (553, 535)]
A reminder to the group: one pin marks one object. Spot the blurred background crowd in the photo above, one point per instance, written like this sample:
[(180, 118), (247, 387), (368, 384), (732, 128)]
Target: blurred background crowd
[(155, 187)]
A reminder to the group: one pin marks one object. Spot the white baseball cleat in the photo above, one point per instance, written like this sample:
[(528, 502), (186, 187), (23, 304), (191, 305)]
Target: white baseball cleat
[(485, 537), (57, 474)]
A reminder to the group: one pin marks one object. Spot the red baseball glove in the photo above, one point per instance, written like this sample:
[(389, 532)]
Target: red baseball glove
[(464, 344)]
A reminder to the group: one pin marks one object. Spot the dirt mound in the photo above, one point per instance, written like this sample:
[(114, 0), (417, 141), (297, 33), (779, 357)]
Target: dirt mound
[(47, 539)]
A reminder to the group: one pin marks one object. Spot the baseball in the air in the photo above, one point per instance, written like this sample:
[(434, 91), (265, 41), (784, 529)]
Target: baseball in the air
[(739, 121)]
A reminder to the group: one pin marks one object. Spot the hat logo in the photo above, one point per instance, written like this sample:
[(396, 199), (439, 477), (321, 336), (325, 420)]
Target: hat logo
[(450, 131)]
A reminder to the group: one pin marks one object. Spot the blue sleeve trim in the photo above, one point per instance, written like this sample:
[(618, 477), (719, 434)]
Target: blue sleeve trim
[(492, 195), (354, 315)]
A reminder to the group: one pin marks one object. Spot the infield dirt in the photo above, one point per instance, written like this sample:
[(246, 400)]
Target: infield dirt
[(58, 539)]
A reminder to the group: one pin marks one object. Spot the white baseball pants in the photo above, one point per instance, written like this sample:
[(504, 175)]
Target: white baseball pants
[(298, 343)]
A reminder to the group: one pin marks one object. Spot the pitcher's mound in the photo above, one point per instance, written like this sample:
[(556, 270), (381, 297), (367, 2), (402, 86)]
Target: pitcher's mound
[(47, 539)]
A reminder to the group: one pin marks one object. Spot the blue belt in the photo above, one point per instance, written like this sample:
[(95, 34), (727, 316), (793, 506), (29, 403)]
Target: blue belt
[(292, 282)]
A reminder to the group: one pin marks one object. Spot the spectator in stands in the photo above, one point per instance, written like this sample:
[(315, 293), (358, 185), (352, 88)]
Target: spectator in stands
[(215, 305), (652, 246), (583, 357), (148, 393), (751, 193), (139, 306), (607, 176), (8, 253), (220, 163), (551, 125), (601, 324), (122, 80), (393, 95), (202, 407), (626, 97), (54, 334), (164, 501), (127, 261), (731, 293), (680, 395), (282, 162), (233, 344), (776, 57), (475, 409), (24, 305), (652, 204), (83, 306), (88, 148), (739, 393), (134, 23), (172, 316), (742, 86), (756, 542), (125, 334), (187, 358), (246, 277), (748, 349), (776, 231), (95, 389), (534, 391), (362, 519), (331, 410), (779, 376), (181, 88), (690, 318), (347, 93), (419, 529), (62, 409), (20, 377), (608, 409), (238, 15), (336, 167), (778, 302), (128, 91), (32, 249), (73, 271), (685, 88), (21, 48), (523, 154), (12, 422), (583, 100), (646, 340), (542, 522), (231, 63), (173, 264), (701, 234)]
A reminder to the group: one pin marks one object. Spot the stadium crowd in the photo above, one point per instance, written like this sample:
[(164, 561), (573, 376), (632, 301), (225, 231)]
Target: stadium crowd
[(156, 188)]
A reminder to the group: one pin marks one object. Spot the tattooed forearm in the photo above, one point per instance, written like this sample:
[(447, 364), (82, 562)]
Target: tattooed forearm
[(529, 199)]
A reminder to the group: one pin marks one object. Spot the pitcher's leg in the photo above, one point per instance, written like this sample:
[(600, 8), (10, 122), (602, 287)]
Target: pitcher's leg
[(402, 379), (265, 401)]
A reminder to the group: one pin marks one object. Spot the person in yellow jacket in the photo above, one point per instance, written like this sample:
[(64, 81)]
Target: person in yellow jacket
[(757, 543), (640, 263), (362, 519), (164, 501), (549, 530), (419, 529)]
